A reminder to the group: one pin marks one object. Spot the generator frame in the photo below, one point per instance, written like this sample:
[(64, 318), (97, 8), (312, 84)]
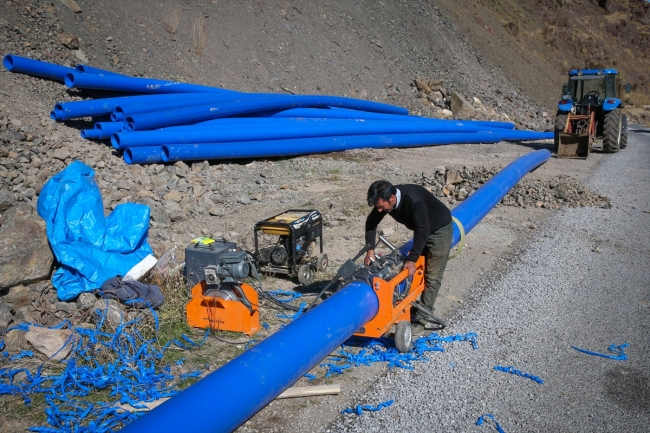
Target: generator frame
[(305, 267)]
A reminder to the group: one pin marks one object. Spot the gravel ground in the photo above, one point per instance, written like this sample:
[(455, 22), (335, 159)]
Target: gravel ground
[(582, 282)]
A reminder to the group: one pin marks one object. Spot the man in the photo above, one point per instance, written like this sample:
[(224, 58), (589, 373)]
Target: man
[(430, 220)]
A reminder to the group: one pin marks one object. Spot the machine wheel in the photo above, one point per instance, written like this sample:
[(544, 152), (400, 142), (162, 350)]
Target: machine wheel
[(322, 262), (623, 143), (612, 129), (305, 274), (403, 336), (560, 123)]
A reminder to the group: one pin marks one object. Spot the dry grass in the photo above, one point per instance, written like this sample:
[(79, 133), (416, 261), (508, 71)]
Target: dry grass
[(171, 21), (199, 37)]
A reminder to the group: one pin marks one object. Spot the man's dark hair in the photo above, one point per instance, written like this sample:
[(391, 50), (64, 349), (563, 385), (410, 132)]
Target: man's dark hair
[(380, 189)]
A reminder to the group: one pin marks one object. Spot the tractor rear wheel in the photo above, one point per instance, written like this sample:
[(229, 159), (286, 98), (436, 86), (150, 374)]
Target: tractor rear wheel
[(623, 144), (560, 123), (612, 129)]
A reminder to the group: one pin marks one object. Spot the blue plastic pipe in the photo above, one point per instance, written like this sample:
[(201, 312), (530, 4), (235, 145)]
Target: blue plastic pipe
[(100, 107), (261, 373), (301, 146), (123, 83), (81, 68), (128, 108), (294, 128), (143, 155), (36, 68), (226, 398), (159, 119)]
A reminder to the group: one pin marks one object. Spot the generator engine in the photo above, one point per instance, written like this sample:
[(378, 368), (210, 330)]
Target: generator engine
[(278, 253), (220, 300)]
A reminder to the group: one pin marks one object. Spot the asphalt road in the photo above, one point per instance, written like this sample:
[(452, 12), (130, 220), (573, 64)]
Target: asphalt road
[(585, 282)]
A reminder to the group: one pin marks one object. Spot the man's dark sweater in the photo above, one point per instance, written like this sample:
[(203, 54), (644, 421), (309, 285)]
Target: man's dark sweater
[(419, 211)]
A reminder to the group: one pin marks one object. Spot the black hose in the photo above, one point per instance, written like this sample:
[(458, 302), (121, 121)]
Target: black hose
[(265, 294)]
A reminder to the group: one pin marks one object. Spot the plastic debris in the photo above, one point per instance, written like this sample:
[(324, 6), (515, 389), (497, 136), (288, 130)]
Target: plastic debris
[(285, 296), (481, 420), (310, 376), (359, 408), (382, 350), (618, 352), (131, 375), (512, 370)]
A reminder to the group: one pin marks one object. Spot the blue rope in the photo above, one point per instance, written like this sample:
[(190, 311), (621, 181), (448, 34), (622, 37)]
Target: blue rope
[(382, 350), (291, 295), (310, 376), (496, 424), (512, 370), (618, 352), (359, 408)]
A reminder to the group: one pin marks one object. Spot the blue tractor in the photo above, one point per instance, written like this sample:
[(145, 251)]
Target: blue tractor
[(590, 109)]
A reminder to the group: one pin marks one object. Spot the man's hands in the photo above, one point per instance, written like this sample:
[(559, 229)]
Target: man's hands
[(370, 256), (410, 266)]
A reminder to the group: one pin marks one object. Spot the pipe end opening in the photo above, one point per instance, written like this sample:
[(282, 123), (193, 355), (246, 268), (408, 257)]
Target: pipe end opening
[(115, 140), (164, 154), (128, 156), (69, 79), (8, 62)]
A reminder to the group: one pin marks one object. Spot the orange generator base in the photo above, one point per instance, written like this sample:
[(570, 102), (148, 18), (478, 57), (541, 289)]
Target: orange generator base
[(388, 315), (222, 314)]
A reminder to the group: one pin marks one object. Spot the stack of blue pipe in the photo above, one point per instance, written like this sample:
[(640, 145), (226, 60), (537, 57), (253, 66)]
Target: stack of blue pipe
[(166, 121)]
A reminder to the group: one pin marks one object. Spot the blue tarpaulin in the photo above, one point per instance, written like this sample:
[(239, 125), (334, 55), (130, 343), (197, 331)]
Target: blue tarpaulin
[(89, 247)]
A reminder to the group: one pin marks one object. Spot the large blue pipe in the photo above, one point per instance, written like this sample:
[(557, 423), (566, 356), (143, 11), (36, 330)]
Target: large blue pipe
[(81, 68), (159, 119), (226, 398), (123, 83), (128, 108), (23, 65), (301, 146), (294, 128), (143, 155), (103, 106)]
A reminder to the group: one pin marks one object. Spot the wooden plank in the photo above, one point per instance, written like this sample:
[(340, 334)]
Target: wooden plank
[(308, 391)]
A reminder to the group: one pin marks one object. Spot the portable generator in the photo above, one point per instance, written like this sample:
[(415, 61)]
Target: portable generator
[(294, 253), (220, 301)]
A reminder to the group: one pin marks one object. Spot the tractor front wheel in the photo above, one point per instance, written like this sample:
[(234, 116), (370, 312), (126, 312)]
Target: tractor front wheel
[(612, 129), (560, 123)]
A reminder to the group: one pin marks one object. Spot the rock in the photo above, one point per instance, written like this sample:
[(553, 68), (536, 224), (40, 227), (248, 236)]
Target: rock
[(18, 297), (86, 300), (72, 5), (15, 341), (177, 215), (62, 153), (5, 316), (173, 196), (53, 343), (244, 200), (23, 262), (6, 200), (453, 177), (68, 307), (24, 314), (461, 108), (114, 314), (422, 86), (69, 41)]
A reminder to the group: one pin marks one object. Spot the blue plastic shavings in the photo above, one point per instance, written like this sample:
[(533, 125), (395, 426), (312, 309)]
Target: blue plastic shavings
[(301, 309), (512, 370), (265, 326), (618, 352), (23, 354), (310, 376), (359, 408), (195, 373), (180, 361), (132, 377), (287, 296), (382, 350), (496, 424), (250, 344)]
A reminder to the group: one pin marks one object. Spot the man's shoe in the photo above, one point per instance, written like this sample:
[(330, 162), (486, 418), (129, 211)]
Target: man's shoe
[(417, 328)]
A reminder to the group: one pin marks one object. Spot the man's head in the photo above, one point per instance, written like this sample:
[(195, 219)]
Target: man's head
[(382, 196)]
